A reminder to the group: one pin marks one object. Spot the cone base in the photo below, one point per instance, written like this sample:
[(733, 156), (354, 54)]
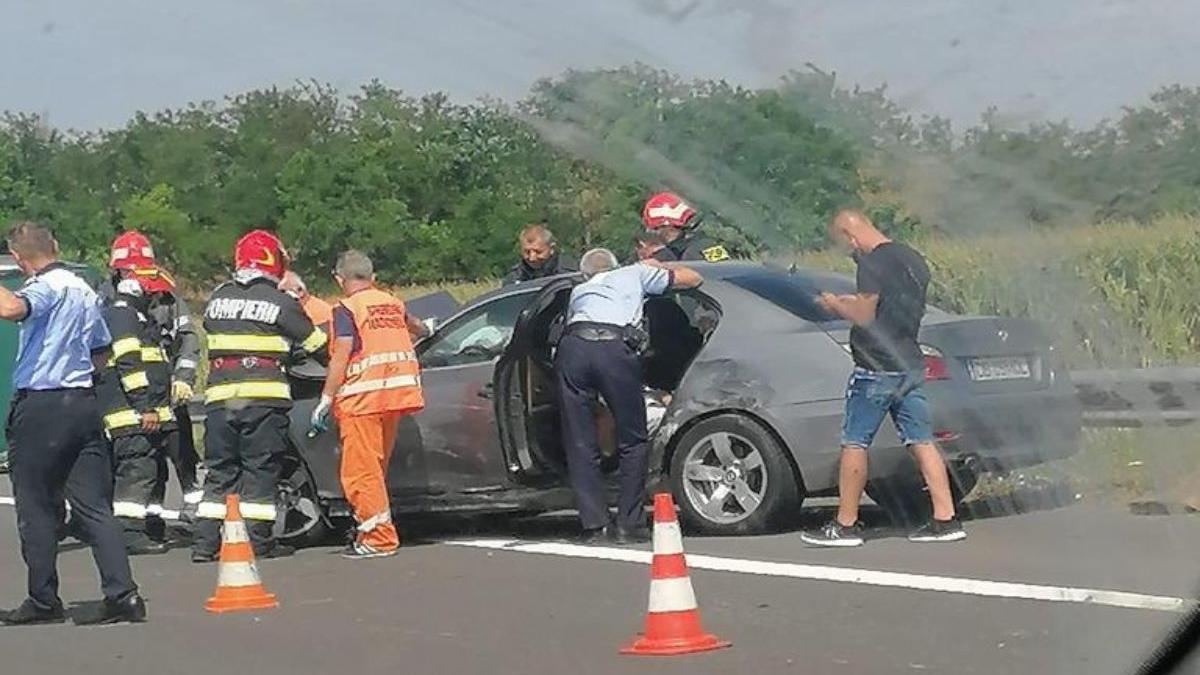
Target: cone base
[(218, 605), (643, 646)]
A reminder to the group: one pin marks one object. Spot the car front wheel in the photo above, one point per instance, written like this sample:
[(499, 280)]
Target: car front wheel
[(731, 476)]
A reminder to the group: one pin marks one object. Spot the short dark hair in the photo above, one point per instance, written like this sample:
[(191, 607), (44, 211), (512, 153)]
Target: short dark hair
[(31, 240), (651, 237)]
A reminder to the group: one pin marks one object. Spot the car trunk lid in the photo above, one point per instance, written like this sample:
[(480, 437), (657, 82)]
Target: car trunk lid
[(991, 353)]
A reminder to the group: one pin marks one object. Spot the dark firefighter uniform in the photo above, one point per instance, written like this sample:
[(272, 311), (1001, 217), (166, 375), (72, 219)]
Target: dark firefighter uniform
[(692, 246), (136, 381), (181, 343), (252, 328)]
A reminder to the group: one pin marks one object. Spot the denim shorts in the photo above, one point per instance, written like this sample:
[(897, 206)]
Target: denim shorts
[(872, 395)]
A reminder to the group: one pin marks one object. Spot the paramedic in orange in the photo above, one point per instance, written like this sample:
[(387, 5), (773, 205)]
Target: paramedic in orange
[(373, 381), (317, 310)]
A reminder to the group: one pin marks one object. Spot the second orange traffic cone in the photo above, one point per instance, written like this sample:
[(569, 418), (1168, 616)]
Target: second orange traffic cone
[(673, 620), (239, 587)]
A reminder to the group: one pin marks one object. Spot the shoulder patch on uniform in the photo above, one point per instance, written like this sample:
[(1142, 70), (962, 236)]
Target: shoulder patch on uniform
[(715, 253)]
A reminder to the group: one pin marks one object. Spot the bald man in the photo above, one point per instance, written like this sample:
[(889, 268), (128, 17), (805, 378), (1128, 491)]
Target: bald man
[(888, 378)]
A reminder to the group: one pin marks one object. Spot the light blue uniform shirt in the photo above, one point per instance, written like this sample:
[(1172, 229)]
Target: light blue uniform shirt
[(615, 297), (58, 335)]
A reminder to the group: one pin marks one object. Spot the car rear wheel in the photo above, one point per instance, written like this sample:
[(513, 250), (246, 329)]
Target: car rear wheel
[(730, 476), (905, 498)]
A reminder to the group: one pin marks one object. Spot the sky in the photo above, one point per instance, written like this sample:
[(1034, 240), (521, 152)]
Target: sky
[(86, 63)]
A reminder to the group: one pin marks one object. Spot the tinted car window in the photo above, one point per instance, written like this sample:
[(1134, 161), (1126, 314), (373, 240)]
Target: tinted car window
[(795, 292), (479, 335)]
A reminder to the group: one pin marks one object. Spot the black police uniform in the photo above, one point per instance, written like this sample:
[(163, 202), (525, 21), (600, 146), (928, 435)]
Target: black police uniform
[(692, 246), (179, 340), (253, 329), (555, 265), (134, 382)]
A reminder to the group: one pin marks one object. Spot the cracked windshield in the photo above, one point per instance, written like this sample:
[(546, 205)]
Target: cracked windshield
[(687, 336)]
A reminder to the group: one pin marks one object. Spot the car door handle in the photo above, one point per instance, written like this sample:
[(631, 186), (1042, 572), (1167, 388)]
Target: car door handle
[(487, 391)]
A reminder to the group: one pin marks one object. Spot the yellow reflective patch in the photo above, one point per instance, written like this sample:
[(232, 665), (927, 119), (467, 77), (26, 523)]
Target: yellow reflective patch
[(315, 341), (135, 381), (247, 343), (231, 390), (130, 418), (715, 253), (125, 346), (153, 355)]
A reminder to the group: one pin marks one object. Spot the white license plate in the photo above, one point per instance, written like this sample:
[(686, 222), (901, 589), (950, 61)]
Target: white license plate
[(999, 368)]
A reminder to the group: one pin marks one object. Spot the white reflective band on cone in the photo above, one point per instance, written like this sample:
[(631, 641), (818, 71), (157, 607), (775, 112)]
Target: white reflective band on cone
[(193, 497), (668, 540), (238, 574), (252, 511), (375, 521), (129, 510), (672, 595), (234, 532), (211, 510)]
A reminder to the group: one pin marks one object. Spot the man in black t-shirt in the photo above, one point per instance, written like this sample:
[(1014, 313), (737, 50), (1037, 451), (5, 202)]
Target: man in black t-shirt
[(888, 378)]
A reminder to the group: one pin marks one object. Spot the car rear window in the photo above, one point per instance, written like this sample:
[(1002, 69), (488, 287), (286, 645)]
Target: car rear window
[(796, 292)]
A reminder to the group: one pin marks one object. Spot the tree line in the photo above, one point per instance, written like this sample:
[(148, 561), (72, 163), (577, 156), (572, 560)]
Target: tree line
[(436, 189)]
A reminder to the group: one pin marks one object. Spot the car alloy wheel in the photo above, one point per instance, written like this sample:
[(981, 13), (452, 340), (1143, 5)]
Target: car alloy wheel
[(724, 477)]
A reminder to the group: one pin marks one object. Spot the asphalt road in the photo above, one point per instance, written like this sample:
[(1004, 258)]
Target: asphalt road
[(511, 598)]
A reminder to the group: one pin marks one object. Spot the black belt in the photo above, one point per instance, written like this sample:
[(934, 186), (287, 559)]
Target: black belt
[(246, 362), (596, 332)]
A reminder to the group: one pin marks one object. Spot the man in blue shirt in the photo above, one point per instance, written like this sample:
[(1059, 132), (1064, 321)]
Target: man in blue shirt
[(599, 356), (56, 447)]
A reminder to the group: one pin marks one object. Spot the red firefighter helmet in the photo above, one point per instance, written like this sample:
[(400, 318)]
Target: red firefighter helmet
[(132, 253), (260, 250), (667, 209)]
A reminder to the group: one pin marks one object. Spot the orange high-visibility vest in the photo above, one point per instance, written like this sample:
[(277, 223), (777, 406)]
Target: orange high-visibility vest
[(382, 375), (321, 314)]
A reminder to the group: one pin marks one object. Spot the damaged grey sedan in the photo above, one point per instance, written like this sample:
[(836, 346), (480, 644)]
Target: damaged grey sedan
[(744, 379)]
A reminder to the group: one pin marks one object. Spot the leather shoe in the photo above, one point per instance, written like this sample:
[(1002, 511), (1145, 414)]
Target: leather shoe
[(620, 535), (591, 537), (130, 609), (147, 547), (29, 614)]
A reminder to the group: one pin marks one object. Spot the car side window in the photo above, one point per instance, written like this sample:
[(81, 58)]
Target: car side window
[(477, 336)]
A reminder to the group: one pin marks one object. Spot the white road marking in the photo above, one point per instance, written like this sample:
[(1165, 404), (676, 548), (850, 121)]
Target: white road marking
[(166, 514), (921, 582)]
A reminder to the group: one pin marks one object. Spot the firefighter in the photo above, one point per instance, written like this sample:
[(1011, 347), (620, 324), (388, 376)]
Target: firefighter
[(180, 344), (135, 403), (678, 223), (253, 329), (373, 381)]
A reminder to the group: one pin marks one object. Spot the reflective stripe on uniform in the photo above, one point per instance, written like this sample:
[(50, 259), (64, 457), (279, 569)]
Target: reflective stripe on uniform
[(211, 510), (130, 418), (377, 360), (248, 343), (314, 341), (125, 346), (193, 497), (185, 363), (381, 518), (252, 511), (153, 355), (135, 381), (129, 510), (396, 382), (230, 390)]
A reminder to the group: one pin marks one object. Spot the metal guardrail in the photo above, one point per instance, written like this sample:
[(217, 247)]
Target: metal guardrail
[(1139, 397), (1129, 398)]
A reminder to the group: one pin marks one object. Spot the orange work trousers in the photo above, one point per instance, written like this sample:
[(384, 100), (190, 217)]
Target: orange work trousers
[(367, 442)]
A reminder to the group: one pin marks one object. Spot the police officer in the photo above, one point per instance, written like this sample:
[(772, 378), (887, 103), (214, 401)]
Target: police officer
[(540, 256), (598, 356), (253, 328), (135, 403), (678, 222), (180, 344), (54, 431)]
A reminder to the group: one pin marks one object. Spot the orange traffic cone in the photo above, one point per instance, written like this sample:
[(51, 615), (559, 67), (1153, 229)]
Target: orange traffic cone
[(673, 621), (238, 584)]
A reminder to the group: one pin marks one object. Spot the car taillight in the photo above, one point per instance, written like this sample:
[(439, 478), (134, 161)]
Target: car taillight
[(935, 364)]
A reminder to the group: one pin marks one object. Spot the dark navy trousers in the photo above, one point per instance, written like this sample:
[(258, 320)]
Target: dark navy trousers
[(608, 368)]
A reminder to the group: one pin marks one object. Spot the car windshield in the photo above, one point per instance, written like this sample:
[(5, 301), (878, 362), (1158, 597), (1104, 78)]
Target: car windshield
[(993, 416)]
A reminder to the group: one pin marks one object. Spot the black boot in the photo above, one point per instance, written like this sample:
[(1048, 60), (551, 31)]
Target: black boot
[(29, 614)]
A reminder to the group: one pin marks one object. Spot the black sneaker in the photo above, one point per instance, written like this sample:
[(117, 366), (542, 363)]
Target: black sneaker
[(834, 535), (360, 551), (631, 537), (939, 531), (592, 537), (277, 551), (201, 557), (29, 614)]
